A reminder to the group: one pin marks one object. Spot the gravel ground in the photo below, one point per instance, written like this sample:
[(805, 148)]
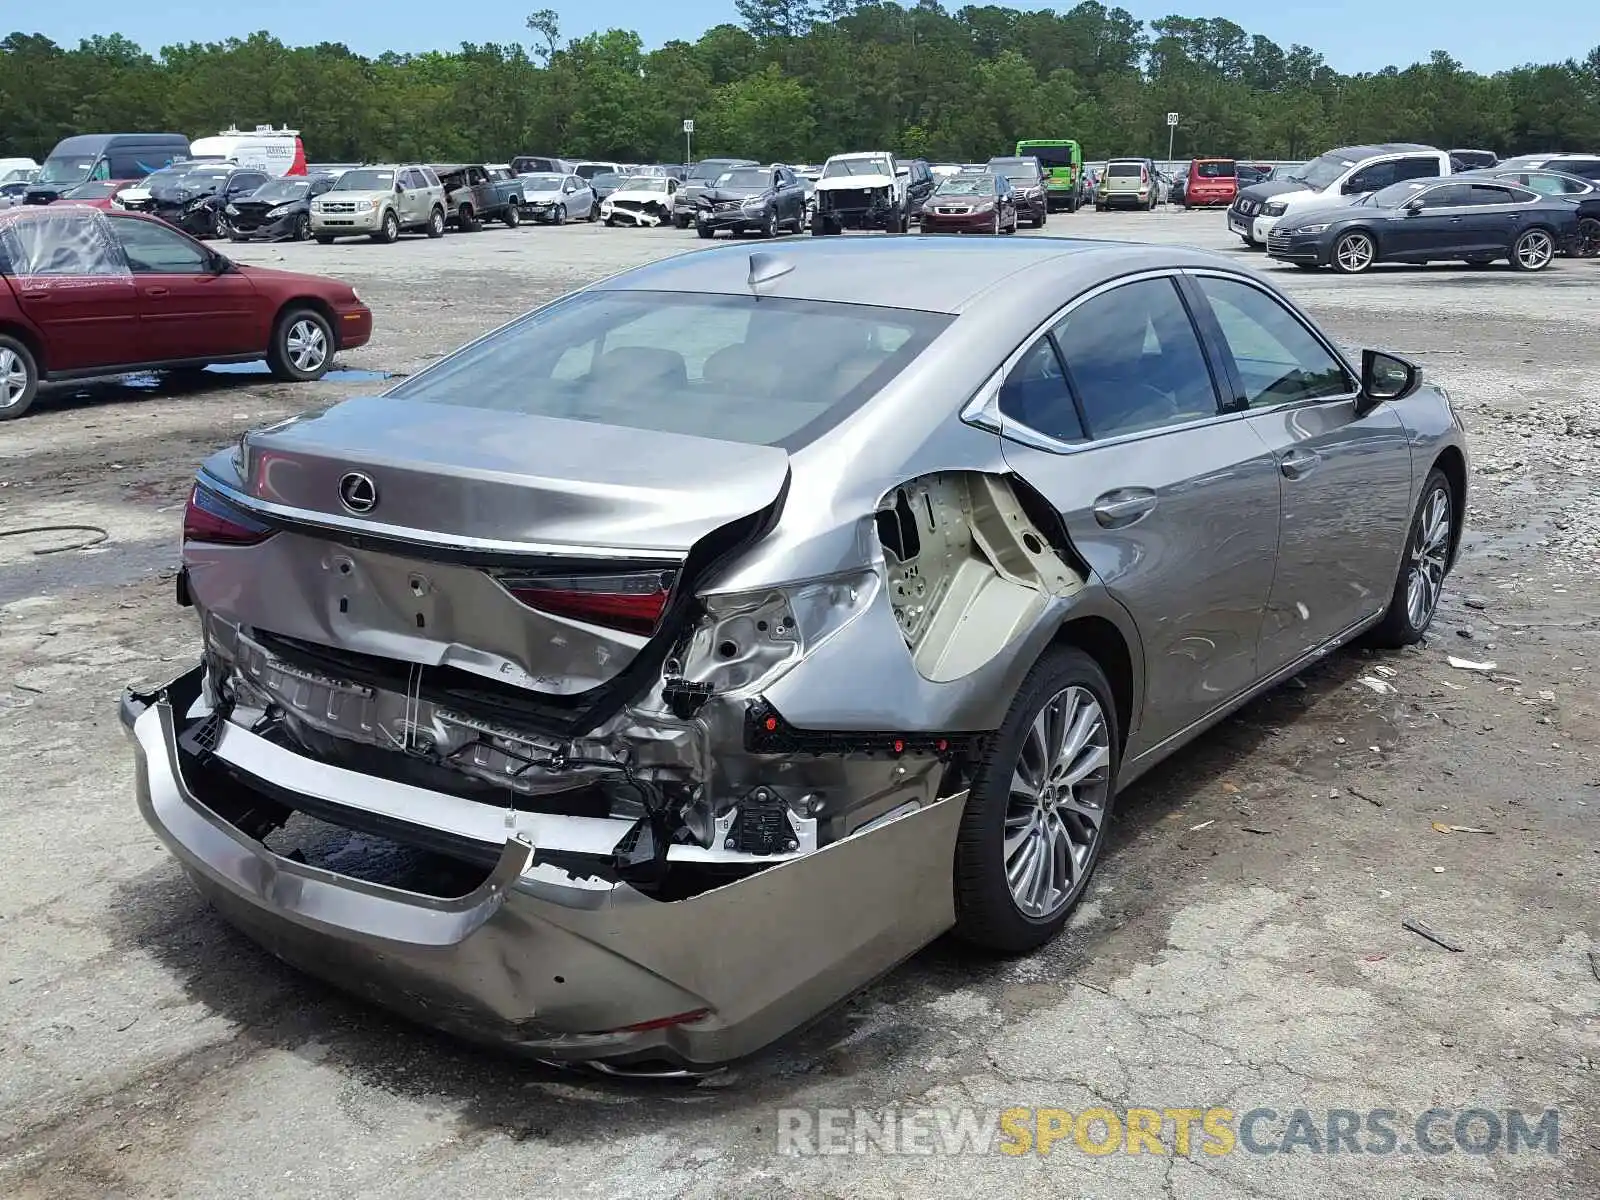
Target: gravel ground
[(1243, 946)]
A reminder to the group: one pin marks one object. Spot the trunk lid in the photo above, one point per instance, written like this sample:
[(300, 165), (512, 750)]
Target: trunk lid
[(453, 474)]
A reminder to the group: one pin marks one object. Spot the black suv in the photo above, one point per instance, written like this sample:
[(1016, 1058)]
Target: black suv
[(920, 184)]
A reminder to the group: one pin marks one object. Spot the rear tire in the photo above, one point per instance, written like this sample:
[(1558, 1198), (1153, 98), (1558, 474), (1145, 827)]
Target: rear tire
[(467, 220), (1533, 251), (1424, 563), (19, 378), (1049, 778), (301, 349)]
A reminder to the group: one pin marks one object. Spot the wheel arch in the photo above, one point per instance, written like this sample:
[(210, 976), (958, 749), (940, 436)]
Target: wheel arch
[(1453, 463), (318, 305), (1102, 640), (31, 340)]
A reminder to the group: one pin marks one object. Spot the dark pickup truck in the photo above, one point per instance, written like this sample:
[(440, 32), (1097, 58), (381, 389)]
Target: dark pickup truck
[(475, 194)]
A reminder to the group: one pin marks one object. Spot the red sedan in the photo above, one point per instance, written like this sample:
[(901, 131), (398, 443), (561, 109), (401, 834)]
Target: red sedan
[(98, 193), (85, 292)]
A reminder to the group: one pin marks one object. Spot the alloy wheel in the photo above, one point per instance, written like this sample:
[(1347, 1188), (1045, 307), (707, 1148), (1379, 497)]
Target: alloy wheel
[(1535, 249), (13, 378), (307, 345), (1354, 253), (1588, 241), (1059, 791), (1430, 556)]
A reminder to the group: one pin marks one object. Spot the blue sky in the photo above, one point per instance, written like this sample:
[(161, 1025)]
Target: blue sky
[(1357, 35)]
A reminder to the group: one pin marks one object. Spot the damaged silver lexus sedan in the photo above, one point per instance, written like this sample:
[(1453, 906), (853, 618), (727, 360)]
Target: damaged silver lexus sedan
[(646, 676)]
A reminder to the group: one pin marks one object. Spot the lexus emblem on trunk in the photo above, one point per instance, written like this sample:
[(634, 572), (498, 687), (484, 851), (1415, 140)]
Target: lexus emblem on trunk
[(358, 493)]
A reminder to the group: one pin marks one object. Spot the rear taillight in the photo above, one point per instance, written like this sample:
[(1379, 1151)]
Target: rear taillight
[(209, 518), (633, 603)]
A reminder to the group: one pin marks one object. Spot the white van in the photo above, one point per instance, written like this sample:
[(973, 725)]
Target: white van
[(13, 170), (275, 151)]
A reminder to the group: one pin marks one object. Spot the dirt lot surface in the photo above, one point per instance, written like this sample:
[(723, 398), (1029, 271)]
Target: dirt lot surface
[(1242, 948)]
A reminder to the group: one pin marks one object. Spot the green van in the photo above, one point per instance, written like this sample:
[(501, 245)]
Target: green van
[(1062, 160)]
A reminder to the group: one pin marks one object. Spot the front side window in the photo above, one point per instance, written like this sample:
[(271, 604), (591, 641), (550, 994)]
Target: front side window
[(735, 368), (1134, 360), (156, 250), (1035, 394), (1278, 359)]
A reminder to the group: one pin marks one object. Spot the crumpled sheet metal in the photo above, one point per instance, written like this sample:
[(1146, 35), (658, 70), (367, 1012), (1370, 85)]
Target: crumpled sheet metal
[(70, 246)]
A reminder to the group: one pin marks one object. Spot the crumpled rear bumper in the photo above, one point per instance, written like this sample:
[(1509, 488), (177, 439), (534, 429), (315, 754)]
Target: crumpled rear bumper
[(559, 967)]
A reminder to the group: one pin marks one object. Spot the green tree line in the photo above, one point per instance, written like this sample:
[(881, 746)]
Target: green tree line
[(800, 79)]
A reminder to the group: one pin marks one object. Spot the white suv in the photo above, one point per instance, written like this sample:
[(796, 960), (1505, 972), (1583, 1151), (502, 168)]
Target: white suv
[(1331, 179)]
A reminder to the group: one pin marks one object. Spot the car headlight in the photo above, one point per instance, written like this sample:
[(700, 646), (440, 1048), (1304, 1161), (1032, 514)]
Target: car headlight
[(754, 204), (232, 209), (199, 202), (986, 206), (116, 202), (364, 206), (1276, 209), (1310, 229)]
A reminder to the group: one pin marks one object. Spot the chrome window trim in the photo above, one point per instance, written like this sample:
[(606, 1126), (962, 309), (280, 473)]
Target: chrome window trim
[(983, 409)]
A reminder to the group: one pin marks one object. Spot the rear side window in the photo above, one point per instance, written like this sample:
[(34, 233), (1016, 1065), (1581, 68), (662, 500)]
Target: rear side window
[(1035, 394), (1421, 167), (769, 372), (1134, 361)]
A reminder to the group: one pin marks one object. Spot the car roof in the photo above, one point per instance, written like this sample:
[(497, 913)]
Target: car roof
[(950, 273), (1359, 152)]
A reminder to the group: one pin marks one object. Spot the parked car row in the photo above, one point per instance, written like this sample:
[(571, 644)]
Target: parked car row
[(1357, 206)]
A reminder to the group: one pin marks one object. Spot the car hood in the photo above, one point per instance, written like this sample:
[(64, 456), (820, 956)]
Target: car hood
[(732, 193), (264, 205), (838, 183), (1273, 188), (456, 472), (375, 194), (642, 195)]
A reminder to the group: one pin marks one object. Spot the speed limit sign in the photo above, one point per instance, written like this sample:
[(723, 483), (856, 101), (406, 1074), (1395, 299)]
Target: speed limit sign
[(1172, 118)]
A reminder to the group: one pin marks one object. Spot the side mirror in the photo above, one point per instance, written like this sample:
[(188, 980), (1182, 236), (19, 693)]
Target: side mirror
[(1413, 207), (1386, 377), (399, 187)]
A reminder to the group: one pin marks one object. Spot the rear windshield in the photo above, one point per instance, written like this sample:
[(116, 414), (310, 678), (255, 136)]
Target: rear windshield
[(1124, 170), (1214, 170), (765, 372)]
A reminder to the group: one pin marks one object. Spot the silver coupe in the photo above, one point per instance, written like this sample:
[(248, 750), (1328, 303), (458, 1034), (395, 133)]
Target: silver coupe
[(646, 676)]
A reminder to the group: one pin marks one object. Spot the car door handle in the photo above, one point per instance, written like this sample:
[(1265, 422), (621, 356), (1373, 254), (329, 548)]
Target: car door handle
[(1297, 464), (155, 291), (39, 294), (1124, 506)]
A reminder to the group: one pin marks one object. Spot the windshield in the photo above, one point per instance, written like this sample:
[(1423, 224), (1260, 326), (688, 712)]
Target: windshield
[(856, 166), (967, 185), (744, 177), (210, 178), (685, 363), (364, 181), (1320, 172), (607, 180), (282, 189), (1022, 170), (705, 172), (1214, 170), (92, 191), (644, 183), (544, 183), (71, 168), (1051, 156)]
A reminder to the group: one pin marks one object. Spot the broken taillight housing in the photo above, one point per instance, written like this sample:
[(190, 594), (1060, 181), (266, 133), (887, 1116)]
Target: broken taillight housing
[(633, 603), (209, 518)]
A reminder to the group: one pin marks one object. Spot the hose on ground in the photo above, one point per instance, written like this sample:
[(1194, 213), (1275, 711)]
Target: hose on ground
[(96, 536)]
